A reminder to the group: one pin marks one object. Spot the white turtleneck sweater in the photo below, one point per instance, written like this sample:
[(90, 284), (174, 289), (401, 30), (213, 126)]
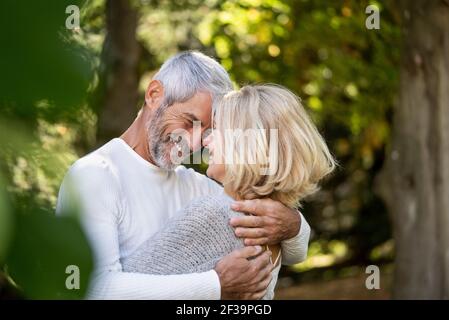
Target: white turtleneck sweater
[(123, 201)]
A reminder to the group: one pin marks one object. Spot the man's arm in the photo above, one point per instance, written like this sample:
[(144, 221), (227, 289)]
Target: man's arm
[(233, 271), (271, 222), (125, 285), (95, 193)]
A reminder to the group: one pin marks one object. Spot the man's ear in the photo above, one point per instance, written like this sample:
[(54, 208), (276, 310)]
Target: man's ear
[(154, 94)]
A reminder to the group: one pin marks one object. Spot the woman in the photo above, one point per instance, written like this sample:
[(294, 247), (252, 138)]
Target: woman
[(263, 145)]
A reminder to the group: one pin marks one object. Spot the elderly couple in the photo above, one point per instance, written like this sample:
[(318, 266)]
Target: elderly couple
[(161, 231)]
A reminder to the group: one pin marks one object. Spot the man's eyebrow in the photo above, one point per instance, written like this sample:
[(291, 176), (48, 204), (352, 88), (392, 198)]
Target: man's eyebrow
[(189, 116)]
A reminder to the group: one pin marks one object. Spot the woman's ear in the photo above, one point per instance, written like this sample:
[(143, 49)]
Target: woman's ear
[(154, 94)]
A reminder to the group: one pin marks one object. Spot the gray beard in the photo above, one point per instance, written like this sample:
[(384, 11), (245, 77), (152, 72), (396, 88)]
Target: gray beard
[(158, 145)]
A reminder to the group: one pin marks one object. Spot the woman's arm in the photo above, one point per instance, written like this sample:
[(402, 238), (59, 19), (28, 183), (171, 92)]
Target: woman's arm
[(193, 242), (294, 250)]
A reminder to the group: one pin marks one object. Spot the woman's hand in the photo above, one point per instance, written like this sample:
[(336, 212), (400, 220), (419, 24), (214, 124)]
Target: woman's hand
[(270, 222)]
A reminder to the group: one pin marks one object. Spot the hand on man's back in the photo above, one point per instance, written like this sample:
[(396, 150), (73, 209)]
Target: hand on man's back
[(245, 273)]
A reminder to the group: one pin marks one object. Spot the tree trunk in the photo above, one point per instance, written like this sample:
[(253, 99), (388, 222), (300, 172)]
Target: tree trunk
[(415, 180), (119, 75)]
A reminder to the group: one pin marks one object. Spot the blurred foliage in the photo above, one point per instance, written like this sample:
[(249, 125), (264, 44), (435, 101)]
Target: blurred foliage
[(6, 225), (45, 247), (345, 74), (37, 80), (46, 76)]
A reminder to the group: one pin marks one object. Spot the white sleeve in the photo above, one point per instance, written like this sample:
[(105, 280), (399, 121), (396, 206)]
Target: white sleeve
[(207, 185), (198, 184), (94, 189), (294, 250)]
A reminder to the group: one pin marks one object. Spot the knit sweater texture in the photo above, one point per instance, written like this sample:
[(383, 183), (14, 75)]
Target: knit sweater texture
[(193, 242)]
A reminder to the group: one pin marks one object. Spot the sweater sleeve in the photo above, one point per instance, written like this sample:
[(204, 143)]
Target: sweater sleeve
[(294, 250), (93, 188), (193, 242)]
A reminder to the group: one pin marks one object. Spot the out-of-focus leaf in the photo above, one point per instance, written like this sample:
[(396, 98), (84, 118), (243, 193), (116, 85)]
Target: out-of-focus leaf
[(43, 247), (6, 224), (43, 71)]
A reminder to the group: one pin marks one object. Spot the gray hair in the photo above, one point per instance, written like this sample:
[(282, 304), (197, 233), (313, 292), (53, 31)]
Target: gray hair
[(189, 72)]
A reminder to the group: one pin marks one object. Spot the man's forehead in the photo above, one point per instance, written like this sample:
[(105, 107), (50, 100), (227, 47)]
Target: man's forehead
[(198, 107)]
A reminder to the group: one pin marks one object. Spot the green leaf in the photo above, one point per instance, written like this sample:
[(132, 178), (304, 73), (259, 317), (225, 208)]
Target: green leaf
[(6, 225), (43, 247)]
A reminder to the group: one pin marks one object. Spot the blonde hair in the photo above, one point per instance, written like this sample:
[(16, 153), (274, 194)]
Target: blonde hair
[(302, 158)]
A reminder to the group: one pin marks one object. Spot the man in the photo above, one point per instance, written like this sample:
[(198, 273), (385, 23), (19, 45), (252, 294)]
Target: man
[(129, 187)]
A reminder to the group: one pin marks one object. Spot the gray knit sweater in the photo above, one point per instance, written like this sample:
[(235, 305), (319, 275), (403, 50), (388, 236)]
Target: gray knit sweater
[(193, 242)]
